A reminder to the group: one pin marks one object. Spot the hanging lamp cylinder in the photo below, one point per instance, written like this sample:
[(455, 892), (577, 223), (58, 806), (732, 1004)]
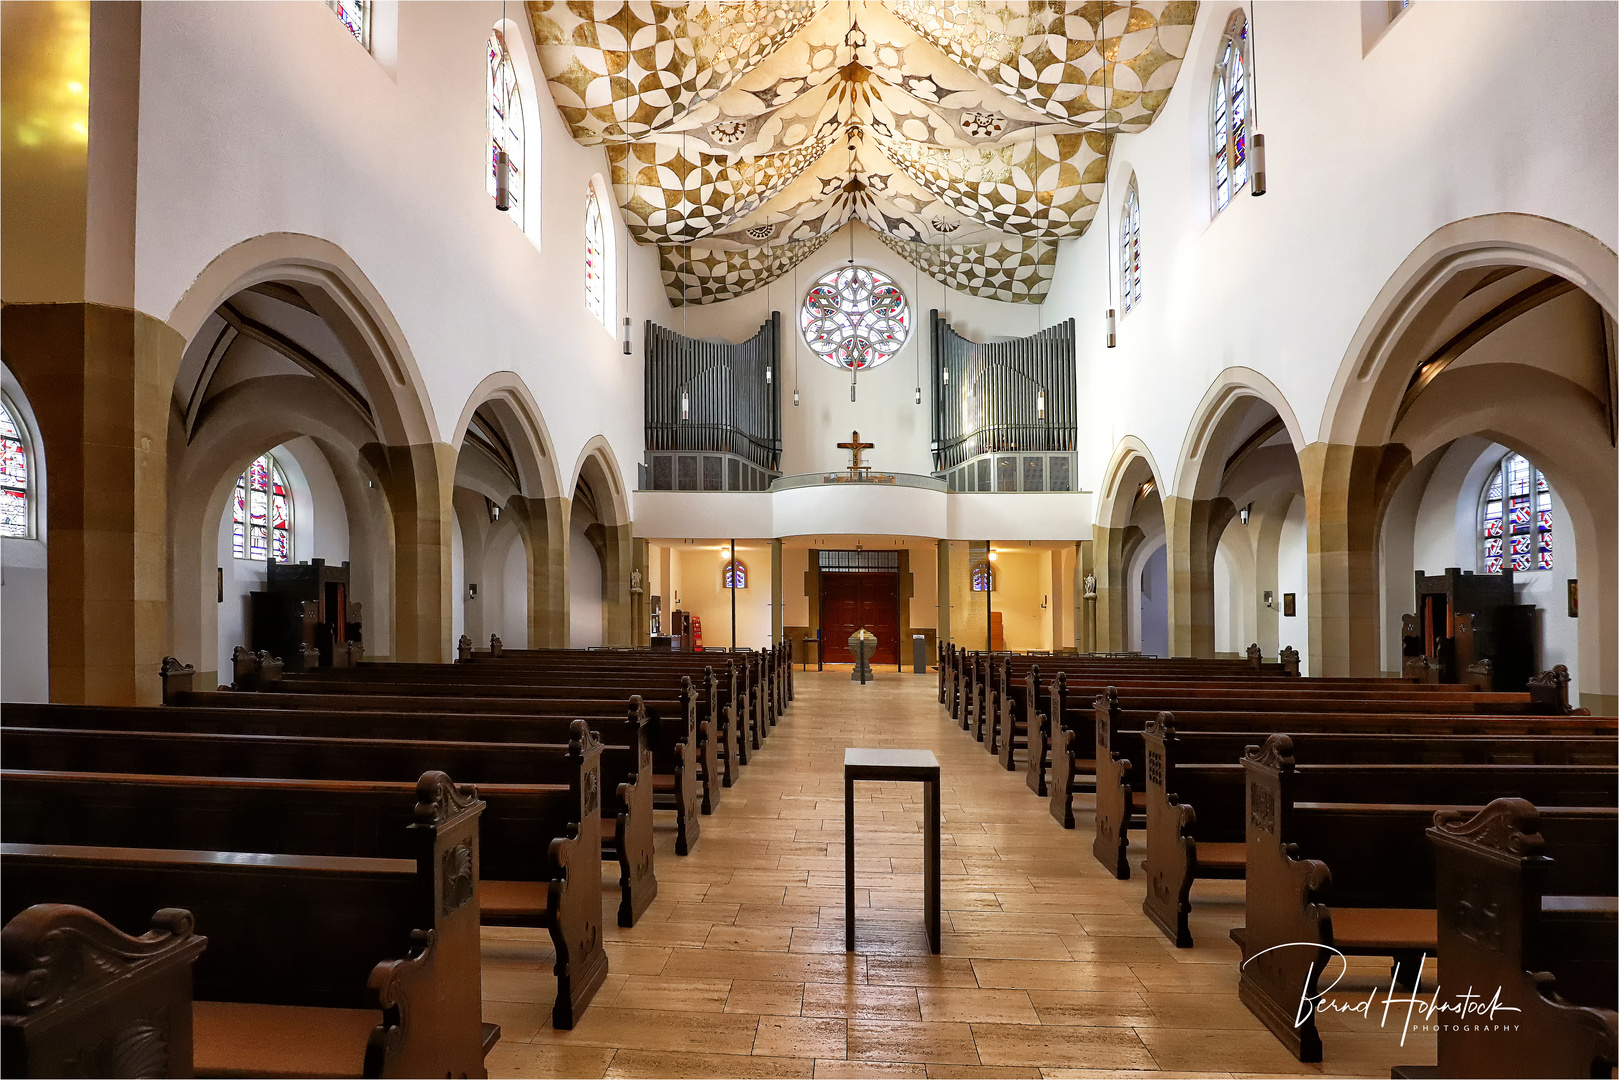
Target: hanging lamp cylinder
[(503, 180), (1112, 329), (1257, 187)]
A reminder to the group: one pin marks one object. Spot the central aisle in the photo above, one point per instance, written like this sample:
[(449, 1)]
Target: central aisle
[(1048, 966)]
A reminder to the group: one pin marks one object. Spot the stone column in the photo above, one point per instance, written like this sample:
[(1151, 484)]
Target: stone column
[(1343, 487), (778, 593), (1112, 564), (1193, 528), (1084, 607), (99, 380), (545, 525), (418, 481), (640, 606), (616, 545)]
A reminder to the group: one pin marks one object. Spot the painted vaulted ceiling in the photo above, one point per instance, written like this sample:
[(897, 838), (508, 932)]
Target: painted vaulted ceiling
[(970, 136)]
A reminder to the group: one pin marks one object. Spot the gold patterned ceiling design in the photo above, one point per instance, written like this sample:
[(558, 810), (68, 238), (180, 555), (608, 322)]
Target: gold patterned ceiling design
[(970, 136)]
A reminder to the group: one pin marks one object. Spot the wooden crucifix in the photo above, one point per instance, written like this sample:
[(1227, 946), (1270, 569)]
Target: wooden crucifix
[(854, 446)]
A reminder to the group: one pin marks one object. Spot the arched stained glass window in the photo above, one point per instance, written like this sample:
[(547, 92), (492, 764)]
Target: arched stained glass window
[(1515, 518), (983, 577), (505, 126), (15, 516), (1130, 248), (595, 256), (735, 576), (855, 317), (355, 15), (1228, 114), (262, 513)]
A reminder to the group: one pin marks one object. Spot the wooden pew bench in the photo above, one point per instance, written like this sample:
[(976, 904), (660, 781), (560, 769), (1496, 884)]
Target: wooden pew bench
[(1547, 939), (515, 887), (676, 775), (1112, 729), (84, 998), (1339, 858), (336, 965), (1195, 794), (447, 693), (343, 819), (1121, 782)]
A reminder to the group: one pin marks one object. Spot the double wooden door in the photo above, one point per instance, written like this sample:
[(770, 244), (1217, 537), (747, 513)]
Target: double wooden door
[(850, 600)]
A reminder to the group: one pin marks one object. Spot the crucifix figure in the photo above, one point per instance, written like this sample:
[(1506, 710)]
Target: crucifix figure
[(854, 446)]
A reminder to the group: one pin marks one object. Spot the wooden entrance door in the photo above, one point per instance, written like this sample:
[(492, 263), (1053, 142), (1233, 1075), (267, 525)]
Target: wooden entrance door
[(850, 600)]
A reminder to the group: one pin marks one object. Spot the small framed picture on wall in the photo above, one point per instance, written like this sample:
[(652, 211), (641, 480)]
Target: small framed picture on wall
[(1573, 598), (1289, 604)]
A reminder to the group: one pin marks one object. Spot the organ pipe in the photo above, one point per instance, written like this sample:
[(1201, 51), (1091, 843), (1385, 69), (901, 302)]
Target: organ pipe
[(714, 395), (1002, 395)]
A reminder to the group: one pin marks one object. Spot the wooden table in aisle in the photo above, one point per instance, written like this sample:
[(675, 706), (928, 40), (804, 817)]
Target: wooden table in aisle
[(914, 765)]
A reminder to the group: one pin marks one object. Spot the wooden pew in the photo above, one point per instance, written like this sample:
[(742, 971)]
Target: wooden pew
[(1339, 859), (1534, 919), (1117, 718), (139, 741), (318, 964), (542, 837), (442, 682), (1194, 792), (723, 696), (1120, 783), (82, 998), (676, 783)]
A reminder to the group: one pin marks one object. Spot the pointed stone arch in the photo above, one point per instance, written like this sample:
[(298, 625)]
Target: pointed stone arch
[(1392, 404), (1118, 537)]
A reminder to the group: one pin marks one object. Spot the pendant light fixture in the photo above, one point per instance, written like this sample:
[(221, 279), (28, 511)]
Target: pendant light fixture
[(503, 164), (1256, 185), (1107, 189), (628, 240)]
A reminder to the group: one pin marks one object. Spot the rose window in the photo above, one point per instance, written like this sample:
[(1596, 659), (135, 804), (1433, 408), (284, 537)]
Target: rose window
[(855, 317)]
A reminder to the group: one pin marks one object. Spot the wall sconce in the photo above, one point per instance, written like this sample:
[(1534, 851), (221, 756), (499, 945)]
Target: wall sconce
[(1245, 511), (1270, 599), (494, 510), (1044, 600), (472, 591)]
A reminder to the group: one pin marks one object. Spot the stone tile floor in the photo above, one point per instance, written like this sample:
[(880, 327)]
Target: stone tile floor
[(1048, 967)]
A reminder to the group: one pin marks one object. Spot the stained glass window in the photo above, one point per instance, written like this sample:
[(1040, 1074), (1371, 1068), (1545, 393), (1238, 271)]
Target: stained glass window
[(1130, 248), (505, 125), (595, 256), (1515, 518), (261, 513), (13, 476), (855, 317), (983, 577), (736, 575), (355, 15), (1228, 114)]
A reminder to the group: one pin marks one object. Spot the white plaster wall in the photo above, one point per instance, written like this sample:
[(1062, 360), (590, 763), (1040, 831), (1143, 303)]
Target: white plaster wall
[(1367, 157), (1150, 586), (1292, 576), (268, 118), (701, 566), (1228, 602), (584, 587)]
